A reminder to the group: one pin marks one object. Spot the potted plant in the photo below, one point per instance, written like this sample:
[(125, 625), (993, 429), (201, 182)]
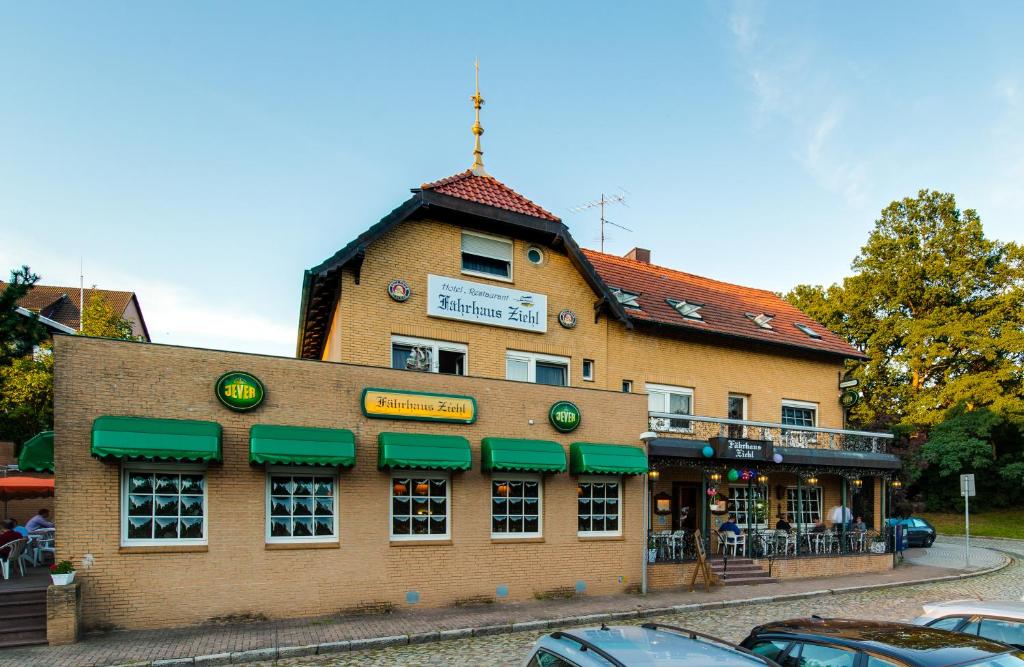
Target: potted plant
[(62, 573), (878, 544)]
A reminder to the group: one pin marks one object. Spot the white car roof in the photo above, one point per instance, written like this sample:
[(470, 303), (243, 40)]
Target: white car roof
[(1005, 608)]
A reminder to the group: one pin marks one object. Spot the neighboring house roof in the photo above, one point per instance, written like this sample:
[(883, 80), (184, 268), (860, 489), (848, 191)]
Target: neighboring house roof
[(46, 321), (489, 191), (61, 304), (724, 307)]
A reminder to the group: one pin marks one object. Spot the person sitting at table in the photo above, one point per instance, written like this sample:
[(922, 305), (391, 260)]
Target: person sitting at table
[(7, 536), (41, 520), (21, 529), (783, 524), (819, 527), (730, 525), (859, 524)]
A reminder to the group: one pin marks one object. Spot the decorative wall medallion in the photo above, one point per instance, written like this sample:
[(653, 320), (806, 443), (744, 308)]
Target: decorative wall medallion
[(239, 390), (567, 319), (399, 290), (565, 416)]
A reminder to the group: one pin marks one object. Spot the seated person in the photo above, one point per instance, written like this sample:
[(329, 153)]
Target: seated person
[(819, 527), (783, 524), (21, 529), (41, 520), (859, 524), (730, 525), (7, 536)]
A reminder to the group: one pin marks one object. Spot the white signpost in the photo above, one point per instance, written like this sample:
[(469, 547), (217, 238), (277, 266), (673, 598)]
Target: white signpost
[(455, 299), (967, 490)]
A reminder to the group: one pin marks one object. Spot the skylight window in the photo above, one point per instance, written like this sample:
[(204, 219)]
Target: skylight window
[(764, 320), (628, 299), (807, 330), (687, 309)]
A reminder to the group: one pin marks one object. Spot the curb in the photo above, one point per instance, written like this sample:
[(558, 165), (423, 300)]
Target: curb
[(527, 626), (983, 537)]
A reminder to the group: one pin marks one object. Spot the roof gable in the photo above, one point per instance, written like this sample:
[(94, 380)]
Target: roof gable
[(489, 191)]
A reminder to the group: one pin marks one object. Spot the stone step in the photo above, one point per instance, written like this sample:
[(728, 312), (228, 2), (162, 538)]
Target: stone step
[(760, 574), (23, 631), (744, 581)]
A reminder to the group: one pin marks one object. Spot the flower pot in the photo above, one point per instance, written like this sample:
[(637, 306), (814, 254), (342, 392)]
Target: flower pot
[(63, 579), (878, 547), (652, 555)]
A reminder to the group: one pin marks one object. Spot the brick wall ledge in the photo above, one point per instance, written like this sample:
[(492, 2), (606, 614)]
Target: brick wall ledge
[(421, 543), (287, 546), (169, 549)]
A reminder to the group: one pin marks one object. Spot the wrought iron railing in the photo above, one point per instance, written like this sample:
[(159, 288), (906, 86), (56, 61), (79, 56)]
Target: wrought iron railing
[(781, 435), (680, 546)]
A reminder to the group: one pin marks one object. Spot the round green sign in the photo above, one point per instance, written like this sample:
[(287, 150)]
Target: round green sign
[(239, 390), (849, 398), (564, 416)]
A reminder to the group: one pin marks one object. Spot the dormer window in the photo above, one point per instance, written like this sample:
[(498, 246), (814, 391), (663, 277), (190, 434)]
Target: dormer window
[(687, 309), (807, 330), (628, 299), (762, 320)]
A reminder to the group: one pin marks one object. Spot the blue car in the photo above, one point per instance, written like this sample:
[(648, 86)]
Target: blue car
[(920, 533), (633, 645)]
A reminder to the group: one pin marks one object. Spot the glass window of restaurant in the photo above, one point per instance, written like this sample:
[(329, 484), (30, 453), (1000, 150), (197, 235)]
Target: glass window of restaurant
[(749, 503), (673, 400), (431, 356), (420, 506), (599, 500), (163, 504), (516, 505), (537, 368), (302, 505), (810, 504)]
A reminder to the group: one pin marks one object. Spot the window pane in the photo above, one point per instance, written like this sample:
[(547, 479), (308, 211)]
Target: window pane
[(400, 525), (655, 401), (140, 529), (679, 404), (166, 528), (478, 264), (302, 527), (814, 655), (294, 505), (879, 662), (1007, 632), (192, 506), (140, 505), (517, 369), (280, 527), (485, 246), (191, 528), (192, 484), (140, 483), (324, 525), (166, 506), (167, 483), (451, 362), (400, 356), (280, 486), (548, 373), (771, 649)]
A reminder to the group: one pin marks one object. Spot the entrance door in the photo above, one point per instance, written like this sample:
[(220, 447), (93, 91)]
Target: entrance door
[(737, 410), (863, 503), (686, 515)]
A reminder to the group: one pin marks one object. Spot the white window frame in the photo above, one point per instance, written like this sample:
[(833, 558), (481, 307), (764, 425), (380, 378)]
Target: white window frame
[(419, 474), (129, 467), (436, 346), (746, 411), (523, 477), (532, 358), (589, 377), (668, 390), (625, 297), (511, 253), (600, 533), (301, 471), (763, 488), (793, 514), (806, 405)]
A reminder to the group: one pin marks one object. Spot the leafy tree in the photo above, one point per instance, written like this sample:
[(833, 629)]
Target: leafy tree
[(18, 334), (26, 396), (100, 320)]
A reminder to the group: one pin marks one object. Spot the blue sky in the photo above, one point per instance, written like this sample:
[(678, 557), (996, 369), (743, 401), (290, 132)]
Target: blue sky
[(204, 154)]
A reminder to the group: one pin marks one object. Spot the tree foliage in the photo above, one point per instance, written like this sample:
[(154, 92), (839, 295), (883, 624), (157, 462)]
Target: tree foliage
[(26, 396), (99, 319), (18, 333)]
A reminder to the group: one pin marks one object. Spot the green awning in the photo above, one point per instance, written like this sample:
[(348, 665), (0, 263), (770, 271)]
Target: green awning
[(37, 453), (428, 452), (297, 445), (155, 439), (594, 458), (529, 455)]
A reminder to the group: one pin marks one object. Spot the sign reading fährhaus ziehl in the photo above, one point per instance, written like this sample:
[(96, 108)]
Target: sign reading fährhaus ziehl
[(456, 299), (418, 405), (742, 449)]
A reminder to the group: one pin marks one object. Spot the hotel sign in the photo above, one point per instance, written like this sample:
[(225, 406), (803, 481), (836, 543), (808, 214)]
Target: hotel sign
[(456, 299), (419, 406), (742, 449)]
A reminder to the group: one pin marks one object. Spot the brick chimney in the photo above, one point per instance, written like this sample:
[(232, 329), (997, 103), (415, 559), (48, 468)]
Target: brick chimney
[(639, 255)]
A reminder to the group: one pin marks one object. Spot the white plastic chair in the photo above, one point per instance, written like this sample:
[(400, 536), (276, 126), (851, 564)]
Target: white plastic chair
[(43, 543), (677, 543), (738, 543), (14, 550)]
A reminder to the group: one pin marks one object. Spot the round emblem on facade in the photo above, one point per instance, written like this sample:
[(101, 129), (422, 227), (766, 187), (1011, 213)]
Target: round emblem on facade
[(565, 416), (567, 319), (399, 290), (239, 390), (849, 398)]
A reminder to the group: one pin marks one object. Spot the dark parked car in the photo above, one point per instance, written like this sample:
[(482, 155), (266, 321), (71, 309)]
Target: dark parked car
[(920, 533), (836, 642)]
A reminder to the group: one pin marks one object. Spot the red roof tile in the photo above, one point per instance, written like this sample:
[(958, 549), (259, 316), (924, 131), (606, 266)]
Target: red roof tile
[(489, 191), (724, 305), (61, 303)]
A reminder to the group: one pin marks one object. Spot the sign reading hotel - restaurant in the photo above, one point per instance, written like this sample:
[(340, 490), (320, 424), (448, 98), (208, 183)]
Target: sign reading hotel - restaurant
[(743, 449), (417, 405), (464, 300), (239, 390)]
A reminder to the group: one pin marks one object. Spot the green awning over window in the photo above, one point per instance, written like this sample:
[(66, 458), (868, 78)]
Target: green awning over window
[(37, 453), (594, 458), (508, 454), (296, 445), (427, 452), (155, 439)]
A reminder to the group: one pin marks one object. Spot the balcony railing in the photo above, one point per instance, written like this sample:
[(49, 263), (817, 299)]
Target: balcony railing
[(782, 435)]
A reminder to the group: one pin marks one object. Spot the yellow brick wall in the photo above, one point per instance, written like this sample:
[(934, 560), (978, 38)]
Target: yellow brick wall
[(366, 318), (237, 573)]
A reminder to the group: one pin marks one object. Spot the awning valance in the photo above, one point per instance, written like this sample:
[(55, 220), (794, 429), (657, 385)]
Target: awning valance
[(37, 454), (427, 452), (595, 458), (507, 454), (156, 439), (297, 445), (809, 456)]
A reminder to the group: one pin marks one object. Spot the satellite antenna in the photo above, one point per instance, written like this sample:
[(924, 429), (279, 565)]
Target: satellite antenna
[(601, 203)]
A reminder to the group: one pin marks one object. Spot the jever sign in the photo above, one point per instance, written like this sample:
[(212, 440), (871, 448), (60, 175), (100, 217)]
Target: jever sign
[(564, 416), (239, 390)]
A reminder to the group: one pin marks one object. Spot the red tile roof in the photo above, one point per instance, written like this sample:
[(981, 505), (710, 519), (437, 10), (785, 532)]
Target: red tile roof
[(61, 303), (489, 191), (724, 305)]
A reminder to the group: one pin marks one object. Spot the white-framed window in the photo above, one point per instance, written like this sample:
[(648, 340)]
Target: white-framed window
[(625, 297), (302, 505), (737, 409), (431, 356), (535, 255), (486, 255), (752, 500), (537, 368), (516, 509), (687, 309), (627, 386), (588, 370), (420, 506), (599, 500), (799, 413), (674, 400), (762, 320), (809, 505), (163, 504)]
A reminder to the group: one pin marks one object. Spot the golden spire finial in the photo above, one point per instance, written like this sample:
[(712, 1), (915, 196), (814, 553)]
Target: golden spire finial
[(478, 129)]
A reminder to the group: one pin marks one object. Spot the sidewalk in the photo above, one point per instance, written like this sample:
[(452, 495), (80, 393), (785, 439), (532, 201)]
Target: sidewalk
[(227, 644)]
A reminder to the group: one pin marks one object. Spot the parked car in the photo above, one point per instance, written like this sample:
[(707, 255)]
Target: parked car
[(647, 644), (999, 620), (920, 533), (812, 642)]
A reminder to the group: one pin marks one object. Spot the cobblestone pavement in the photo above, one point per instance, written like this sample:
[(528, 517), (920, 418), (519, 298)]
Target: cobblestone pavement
[(900, 604)]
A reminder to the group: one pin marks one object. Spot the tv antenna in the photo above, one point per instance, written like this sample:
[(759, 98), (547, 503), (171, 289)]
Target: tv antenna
[(601, 203)]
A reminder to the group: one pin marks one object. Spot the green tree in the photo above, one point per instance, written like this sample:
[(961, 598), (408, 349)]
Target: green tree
[(26, 396), (18, 333), (101, 320)]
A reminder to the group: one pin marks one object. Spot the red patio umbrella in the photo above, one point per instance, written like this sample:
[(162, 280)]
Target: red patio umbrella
[(15, 488)]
